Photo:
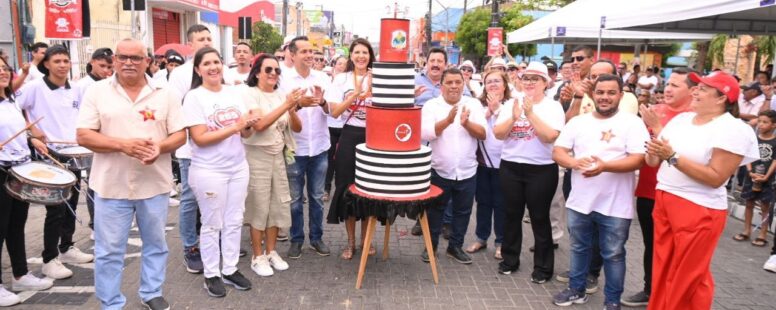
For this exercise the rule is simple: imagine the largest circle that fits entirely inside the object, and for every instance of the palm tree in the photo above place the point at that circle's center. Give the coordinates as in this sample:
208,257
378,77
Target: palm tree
716,49
766,48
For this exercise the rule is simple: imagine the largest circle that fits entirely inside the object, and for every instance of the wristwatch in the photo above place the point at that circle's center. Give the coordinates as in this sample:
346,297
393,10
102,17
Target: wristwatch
673,160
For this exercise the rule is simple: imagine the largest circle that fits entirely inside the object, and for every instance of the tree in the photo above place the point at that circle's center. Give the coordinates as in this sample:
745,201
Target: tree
716,51
265,38
545,4
472,32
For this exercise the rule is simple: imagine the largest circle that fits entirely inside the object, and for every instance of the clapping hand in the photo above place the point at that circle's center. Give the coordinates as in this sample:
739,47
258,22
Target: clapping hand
659,148
464,116
451,116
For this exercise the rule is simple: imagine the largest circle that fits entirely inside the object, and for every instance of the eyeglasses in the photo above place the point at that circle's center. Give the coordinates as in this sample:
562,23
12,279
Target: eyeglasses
578,58
133,58
281,57
531,80
319,59
467,69
268,70
6,69
512,69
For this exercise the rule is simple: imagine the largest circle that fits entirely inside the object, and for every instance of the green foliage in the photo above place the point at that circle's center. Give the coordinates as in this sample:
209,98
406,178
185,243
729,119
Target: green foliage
716,52
265,38
472,32
766,46
545,4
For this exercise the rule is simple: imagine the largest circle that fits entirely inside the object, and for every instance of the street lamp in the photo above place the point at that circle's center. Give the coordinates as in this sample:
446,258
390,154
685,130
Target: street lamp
447,26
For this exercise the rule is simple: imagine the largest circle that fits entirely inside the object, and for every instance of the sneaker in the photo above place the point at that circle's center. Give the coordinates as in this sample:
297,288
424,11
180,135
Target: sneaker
238,281
636,300
276,261
243,252
260,265
215,287
295,250
8,298
416,230
157,303
611,306
55,270
562,277
506,270
424,256
28,282
568,297
446,231
320,247
193,260
591,286
282,236
174,202
770,265
539,280
75,256
459,255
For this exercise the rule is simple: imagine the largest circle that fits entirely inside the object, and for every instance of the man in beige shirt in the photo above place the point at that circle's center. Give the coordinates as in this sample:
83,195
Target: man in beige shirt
132,127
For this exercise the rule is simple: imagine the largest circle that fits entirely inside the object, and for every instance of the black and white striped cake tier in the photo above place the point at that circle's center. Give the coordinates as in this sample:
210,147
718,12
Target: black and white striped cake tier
393,174
393,84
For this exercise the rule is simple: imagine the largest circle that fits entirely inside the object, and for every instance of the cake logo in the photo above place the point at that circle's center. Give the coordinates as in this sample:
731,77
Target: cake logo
403,132
399,39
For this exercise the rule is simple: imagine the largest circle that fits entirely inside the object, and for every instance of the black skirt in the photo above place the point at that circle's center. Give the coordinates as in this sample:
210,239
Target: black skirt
345,174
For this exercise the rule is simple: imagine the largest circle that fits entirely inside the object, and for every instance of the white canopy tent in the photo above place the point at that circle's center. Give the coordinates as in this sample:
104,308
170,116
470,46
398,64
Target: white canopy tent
755,17
580,23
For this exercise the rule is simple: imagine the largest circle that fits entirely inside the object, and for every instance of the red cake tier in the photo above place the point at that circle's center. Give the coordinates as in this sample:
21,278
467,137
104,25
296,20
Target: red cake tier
393,129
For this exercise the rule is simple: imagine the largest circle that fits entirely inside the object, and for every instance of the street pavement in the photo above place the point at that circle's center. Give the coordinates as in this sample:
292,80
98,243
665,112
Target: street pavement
401,282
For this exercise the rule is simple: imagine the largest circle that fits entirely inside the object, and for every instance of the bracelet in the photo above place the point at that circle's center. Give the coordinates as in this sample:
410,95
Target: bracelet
323,103
578,97
670,156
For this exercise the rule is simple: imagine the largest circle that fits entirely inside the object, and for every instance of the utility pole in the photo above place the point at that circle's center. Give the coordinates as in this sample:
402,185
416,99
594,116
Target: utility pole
298,18
428,29
464,6
284,26
494,16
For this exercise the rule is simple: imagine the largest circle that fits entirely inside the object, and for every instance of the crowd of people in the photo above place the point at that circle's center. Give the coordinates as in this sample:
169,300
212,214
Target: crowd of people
251,144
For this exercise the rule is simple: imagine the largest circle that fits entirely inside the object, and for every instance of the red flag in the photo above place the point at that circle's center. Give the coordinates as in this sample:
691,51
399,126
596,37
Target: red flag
495,35
65,19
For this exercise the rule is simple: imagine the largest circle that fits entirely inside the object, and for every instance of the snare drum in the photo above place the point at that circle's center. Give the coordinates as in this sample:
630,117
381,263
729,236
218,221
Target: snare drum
39,182
75,157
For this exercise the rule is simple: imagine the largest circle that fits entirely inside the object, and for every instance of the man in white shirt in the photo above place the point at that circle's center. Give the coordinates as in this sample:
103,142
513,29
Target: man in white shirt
52,100
750,102
607,148
198,37
312,144
243,56
452,123
649,81
38,51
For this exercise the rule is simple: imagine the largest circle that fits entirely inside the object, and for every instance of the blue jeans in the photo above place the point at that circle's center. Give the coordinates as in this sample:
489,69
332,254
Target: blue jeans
314,169
612,235
461,193
112,221
490,205
187,211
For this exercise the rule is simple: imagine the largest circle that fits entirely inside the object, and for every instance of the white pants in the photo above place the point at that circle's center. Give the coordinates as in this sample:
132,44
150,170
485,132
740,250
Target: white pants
221,198
558,211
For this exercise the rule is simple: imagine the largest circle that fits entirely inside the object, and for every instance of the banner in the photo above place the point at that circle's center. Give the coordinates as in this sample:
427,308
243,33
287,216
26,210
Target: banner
64,19
495,40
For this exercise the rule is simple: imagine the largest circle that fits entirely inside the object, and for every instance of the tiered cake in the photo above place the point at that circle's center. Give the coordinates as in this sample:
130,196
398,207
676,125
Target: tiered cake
392,162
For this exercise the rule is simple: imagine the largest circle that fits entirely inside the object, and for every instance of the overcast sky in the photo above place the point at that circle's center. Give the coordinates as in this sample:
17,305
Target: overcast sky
362,17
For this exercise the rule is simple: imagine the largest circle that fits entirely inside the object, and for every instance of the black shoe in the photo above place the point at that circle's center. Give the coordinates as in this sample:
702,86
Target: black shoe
504,269
157,303
320,248
215,287
238,281
446,231
639,299
539,280
416,230
459,255
243,253
554,247
424,256
295,250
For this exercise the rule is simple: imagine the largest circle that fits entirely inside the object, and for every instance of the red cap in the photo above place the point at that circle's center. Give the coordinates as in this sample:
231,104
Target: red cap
723,82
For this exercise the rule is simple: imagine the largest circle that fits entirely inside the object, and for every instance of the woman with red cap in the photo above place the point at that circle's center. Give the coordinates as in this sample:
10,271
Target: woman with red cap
697,152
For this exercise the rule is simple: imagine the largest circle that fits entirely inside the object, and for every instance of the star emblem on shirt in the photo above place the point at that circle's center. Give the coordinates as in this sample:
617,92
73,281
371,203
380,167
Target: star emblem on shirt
148,114
607,136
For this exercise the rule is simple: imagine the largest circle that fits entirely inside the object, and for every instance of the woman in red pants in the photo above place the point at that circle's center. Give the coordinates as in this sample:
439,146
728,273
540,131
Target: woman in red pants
697,152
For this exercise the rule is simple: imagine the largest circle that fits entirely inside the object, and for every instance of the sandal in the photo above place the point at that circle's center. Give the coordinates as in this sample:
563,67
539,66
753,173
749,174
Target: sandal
476,247
759,242
498,253
741,237
347,254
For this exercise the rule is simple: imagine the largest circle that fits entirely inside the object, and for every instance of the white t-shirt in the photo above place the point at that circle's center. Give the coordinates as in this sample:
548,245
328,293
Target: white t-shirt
614,138
11,121
694,142
58,106
33,74
521,144
454,152
343,87
649,80
232,77
216,110
490,149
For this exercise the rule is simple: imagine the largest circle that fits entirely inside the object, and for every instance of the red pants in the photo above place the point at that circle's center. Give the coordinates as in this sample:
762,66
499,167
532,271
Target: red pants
686,235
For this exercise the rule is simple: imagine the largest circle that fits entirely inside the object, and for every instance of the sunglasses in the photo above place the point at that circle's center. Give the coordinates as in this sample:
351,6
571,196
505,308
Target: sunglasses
578,58
512,69
268,70
281,57
319,59
467,69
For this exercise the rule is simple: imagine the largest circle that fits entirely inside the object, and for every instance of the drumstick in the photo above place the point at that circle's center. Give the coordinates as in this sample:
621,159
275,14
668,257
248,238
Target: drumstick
62,142
20,132
55,161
